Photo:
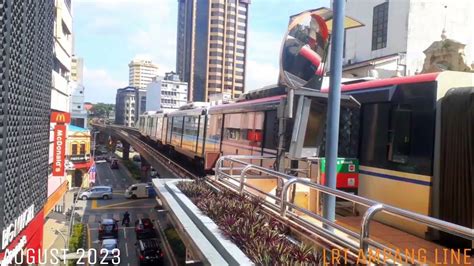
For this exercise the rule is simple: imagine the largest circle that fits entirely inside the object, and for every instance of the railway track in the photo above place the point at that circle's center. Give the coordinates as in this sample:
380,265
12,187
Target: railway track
153,156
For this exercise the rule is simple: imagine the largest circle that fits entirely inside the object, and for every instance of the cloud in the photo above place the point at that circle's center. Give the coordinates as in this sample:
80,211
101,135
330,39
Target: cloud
100,86
260,74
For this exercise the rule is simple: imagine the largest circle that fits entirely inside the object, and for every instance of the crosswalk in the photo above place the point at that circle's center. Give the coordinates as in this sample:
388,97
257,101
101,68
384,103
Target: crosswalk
92,218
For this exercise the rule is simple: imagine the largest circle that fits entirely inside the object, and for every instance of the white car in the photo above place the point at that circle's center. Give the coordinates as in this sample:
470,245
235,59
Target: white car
109,250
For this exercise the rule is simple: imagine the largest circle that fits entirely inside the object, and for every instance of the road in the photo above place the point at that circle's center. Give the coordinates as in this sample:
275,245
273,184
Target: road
114,208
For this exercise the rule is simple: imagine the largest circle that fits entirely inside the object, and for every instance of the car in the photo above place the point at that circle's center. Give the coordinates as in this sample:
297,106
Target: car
97,192
144,228
108,229
149,252
114,164
109,251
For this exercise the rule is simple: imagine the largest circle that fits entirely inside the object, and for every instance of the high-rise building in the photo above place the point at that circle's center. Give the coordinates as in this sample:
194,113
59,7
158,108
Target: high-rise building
77,69
60,95
130,102
166,93
25,84
141,72
211,46
395,34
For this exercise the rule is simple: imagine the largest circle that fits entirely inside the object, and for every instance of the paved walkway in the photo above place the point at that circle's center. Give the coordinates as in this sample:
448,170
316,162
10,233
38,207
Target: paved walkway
55,222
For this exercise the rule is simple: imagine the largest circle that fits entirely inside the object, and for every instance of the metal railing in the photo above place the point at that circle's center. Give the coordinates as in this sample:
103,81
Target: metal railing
282,203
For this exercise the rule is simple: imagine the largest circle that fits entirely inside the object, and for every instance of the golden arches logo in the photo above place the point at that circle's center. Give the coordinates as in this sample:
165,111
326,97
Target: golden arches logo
60,118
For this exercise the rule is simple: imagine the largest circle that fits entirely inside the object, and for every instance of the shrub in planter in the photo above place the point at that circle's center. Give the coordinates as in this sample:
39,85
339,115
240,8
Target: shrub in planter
240,217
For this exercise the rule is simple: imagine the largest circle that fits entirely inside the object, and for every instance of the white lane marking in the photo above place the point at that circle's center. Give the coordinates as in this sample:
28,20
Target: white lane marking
124,233
128,264
126,249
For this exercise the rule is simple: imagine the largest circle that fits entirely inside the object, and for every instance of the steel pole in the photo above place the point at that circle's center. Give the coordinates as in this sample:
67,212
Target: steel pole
334,104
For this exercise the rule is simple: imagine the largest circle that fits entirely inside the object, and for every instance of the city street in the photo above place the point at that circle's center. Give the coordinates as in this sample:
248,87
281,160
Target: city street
97,210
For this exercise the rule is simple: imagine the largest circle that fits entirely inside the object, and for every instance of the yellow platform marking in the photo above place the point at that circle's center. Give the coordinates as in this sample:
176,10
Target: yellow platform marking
96,207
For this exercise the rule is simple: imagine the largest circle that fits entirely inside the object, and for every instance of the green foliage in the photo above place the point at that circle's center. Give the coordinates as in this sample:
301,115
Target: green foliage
133,168
76,240
101,110
241,218
176,244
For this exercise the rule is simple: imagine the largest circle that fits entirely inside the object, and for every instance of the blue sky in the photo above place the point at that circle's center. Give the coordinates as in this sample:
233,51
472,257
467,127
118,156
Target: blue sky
109,33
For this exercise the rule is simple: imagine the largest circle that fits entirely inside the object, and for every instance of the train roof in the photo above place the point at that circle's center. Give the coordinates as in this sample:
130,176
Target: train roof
444,81
255,104
194,111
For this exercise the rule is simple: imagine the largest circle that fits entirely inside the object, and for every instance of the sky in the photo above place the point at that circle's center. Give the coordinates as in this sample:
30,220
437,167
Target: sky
110,33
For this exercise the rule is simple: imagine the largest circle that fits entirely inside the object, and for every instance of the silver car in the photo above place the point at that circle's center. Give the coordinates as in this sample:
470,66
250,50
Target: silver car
97,192
109,251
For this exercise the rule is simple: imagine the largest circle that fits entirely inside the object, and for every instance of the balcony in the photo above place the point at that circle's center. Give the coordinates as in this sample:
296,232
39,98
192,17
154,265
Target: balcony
79,158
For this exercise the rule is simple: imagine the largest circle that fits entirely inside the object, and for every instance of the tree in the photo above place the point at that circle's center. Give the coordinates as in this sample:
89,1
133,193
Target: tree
101,110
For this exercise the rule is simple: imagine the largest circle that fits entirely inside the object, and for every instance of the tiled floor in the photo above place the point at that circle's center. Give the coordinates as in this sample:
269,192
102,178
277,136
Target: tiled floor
396,239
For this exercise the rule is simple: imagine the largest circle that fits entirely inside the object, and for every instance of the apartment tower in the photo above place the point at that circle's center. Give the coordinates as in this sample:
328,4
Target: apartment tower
141,73
211,46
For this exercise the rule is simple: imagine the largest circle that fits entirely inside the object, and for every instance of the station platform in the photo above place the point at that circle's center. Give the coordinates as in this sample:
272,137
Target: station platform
424,250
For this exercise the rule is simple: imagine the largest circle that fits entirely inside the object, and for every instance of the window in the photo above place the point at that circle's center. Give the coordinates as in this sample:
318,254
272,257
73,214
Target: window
399,134
379,26
74,149
83,149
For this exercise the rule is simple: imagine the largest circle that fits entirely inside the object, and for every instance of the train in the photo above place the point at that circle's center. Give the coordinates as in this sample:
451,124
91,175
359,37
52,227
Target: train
395,127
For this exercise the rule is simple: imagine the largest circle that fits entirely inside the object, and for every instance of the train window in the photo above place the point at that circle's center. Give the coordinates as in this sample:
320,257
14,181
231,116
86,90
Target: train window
232,126
213,136
399,134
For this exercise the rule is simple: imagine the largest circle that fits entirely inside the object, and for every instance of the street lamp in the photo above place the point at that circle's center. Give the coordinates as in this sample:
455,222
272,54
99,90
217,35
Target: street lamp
93,145
62,236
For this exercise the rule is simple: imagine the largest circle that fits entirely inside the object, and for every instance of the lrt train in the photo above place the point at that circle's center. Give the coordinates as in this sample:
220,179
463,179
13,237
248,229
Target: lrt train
413,137
416,146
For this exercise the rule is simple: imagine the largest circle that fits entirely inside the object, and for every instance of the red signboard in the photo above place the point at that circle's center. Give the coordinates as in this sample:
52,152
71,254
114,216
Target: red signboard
28,242
59,149
60,117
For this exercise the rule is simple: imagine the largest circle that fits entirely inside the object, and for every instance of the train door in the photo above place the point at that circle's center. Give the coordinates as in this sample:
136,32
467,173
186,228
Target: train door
202,121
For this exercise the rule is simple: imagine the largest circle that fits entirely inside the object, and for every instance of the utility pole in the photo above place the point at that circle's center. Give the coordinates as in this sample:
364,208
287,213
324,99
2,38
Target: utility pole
334,105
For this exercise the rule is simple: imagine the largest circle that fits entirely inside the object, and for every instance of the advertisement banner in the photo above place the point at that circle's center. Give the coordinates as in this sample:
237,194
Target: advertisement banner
59,149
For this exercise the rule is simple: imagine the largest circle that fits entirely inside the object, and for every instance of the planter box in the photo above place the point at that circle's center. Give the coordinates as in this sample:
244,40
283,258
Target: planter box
205,234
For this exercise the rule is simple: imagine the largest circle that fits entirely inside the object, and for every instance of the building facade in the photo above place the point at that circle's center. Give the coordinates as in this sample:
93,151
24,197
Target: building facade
211,46
25,84
397,32
77,69
130,102
78,156
141,72
166,93
60,90
78,111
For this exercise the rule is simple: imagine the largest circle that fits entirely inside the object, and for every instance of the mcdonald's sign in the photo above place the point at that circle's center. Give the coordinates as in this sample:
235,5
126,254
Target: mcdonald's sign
60,117
59,149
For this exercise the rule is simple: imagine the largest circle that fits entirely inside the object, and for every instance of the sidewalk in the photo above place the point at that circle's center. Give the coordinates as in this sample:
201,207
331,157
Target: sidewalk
59,222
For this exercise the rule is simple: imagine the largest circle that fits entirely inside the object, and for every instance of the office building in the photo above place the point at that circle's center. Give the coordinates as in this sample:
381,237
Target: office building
211,46
77,110
130,102
396,33
166,93
141,72
77,70
25,84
